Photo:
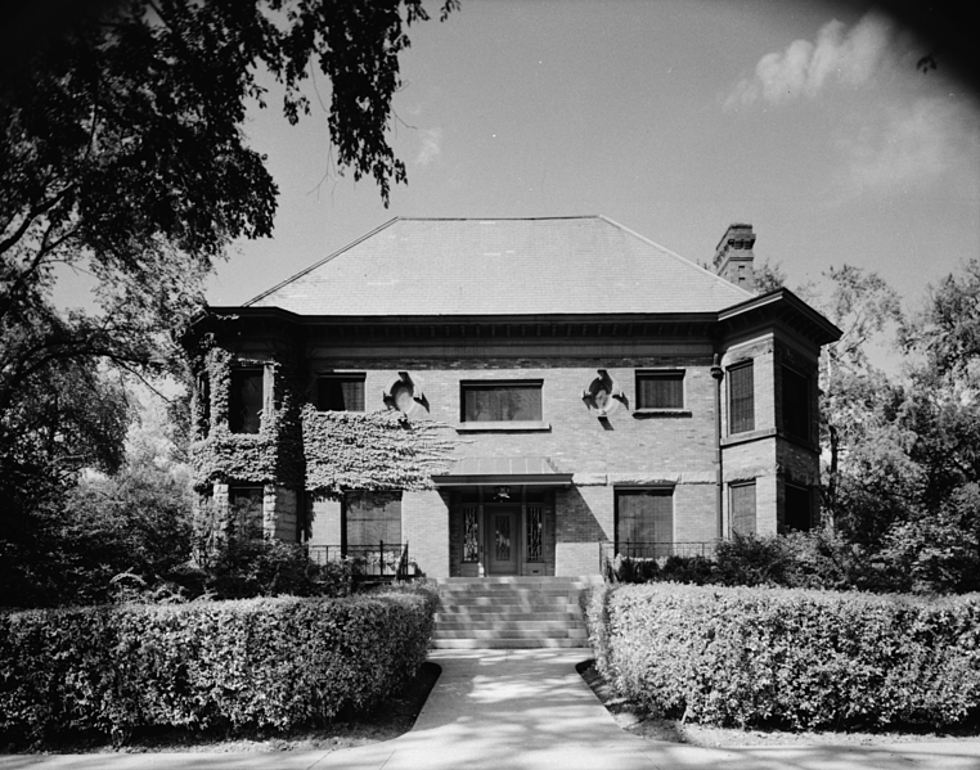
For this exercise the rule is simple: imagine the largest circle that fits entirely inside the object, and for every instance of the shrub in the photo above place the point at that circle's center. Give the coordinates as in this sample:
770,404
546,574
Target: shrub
802,659
276,663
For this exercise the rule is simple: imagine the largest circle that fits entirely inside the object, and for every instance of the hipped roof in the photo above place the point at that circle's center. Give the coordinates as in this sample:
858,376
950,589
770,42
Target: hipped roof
457,267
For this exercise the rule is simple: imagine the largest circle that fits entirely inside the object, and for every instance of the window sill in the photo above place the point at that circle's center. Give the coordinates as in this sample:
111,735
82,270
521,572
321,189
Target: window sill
643,413
747,436
496,427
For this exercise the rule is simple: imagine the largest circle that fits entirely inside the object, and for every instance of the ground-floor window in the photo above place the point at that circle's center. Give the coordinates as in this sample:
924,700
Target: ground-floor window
798,511
245,508
743,511
370,518
645,522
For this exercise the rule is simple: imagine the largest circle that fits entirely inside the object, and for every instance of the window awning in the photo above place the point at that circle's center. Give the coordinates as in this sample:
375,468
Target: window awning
513,471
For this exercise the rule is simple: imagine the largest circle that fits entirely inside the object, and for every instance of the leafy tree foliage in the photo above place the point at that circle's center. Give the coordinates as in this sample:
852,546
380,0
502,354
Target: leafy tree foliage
122,155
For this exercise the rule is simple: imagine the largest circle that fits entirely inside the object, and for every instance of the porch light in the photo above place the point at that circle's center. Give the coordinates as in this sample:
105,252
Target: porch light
502,493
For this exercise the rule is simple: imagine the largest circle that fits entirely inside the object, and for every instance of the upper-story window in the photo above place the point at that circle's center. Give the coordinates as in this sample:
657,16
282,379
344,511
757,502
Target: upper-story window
660,389
340,392
245,400
796,403
501,401
204,404
741,398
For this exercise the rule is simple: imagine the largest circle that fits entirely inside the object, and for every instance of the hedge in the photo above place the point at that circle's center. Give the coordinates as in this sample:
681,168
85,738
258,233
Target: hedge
275,663
789,657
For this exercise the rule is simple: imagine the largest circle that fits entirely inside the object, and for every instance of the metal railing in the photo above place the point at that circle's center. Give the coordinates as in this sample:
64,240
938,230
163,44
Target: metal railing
384,561
659,552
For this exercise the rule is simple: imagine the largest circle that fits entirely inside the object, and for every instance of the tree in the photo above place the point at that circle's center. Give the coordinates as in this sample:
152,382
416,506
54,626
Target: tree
122,155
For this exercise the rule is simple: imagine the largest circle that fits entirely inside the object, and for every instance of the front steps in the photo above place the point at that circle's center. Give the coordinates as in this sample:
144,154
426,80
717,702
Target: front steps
510,612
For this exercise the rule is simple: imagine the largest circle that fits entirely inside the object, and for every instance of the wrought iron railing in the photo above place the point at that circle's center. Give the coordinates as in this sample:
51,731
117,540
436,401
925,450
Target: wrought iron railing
383,561
637,551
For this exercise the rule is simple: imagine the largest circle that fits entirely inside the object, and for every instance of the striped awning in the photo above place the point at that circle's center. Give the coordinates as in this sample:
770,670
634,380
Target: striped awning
514,471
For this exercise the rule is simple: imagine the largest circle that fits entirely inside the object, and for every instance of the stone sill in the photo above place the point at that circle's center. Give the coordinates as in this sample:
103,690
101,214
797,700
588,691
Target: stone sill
642,413
756,435
497,427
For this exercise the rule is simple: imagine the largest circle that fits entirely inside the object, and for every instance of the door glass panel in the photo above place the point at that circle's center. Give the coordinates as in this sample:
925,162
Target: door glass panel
471,542
535,528
502,527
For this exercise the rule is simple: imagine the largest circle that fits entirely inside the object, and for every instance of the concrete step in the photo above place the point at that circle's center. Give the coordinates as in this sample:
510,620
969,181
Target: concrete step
463,614
505,644
511,633
509,625
510,612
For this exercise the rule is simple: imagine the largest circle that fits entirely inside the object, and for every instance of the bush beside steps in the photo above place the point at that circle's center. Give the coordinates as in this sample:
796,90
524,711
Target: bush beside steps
259,663
797,659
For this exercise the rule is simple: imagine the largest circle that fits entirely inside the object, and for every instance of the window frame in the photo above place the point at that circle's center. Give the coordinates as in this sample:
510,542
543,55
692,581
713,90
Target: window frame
241,421
735,514
670,375
243,492
803,399
804,492
341,378
386,500
741,418
662,547
535,423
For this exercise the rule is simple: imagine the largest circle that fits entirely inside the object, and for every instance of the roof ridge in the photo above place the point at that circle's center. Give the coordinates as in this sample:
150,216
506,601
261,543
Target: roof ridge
717,278
321,262
498,219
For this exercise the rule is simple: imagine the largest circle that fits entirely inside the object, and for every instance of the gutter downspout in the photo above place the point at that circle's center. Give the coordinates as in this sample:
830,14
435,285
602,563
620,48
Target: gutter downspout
718,374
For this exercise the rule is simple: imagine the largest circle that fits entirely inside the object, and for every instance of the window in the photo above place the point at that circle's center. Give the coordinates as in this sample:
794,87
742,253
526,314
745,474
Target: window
245,402
645,522
741,398
660,390
340,393
204,404
796,404
245,502
798,514
518,401
742,501
372,518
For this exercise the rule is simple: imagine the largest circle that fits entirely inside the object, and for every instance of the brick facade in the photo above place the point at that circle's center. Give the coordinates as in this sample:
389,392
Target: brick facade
688,450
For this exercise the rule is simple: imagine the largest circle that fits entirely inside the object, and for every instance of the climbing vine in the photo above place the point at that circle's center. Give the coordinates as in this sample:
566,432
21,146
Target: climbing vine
273,455
326,453
371,451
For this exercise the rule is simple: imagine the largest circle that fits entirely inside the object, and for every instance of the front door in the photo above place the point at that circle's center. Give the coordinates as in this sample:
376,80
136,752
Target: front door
502,542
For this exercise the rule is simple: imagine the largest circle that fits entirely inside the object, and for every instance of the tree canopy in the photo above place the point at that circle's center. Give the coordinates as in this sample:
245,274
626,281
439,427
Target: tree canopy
122,156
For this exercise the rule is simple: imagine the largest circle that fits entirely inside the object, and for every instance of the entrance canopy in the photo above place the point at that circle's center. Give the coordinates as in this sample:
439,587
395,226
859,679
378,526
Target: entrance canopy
514,471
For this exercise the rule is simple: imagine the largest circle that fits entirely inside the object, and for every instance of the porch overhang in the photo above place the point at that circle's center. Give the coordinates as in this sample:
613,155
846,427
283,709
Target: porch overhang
510,471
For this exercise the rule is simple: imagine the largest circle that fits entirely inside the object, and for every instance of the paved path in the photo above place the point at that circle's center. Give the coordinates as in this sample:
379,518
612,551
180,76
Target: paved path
528,710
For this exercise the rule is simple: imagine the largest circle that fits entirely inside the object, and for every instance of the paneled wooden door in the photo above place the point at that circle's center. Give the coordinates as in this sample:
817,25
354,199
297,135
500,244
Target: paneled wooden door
503,546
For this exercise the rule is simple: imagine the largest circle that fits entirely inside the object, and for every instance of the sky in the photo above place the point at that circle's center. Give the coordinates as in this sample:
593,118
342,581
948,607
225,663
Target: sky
808,120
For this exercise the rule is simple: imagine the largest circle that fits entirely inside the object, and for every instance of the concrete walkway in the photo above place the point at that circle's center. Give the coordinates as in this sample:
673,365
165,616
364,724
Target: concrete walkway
528,709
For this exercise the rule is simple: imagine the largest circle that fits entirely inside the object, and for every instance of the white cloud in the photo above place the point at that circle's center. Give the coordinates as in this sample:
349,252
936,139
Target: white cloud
911,148
431,146
804,68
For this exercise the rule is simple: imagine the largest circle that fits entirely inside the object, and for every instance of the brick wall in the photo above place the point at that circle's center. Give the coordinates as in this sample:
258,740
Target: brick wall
425,526
624,449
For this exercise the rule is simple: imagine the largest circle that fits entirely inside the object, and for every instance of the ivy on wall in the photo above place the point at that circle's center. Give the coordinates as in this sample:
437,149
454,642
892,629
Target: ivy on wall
273,455
326,453
371,451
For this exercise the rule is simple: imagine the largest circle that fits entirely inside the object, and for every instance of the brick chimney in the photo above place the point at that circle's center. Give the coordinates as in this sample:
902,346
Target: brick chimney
733,256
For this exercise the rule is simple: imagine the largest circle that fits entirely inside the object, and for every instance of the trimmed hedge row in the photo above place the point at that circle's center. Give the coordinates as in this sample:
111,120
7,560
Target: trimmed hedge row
276,663
789,657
